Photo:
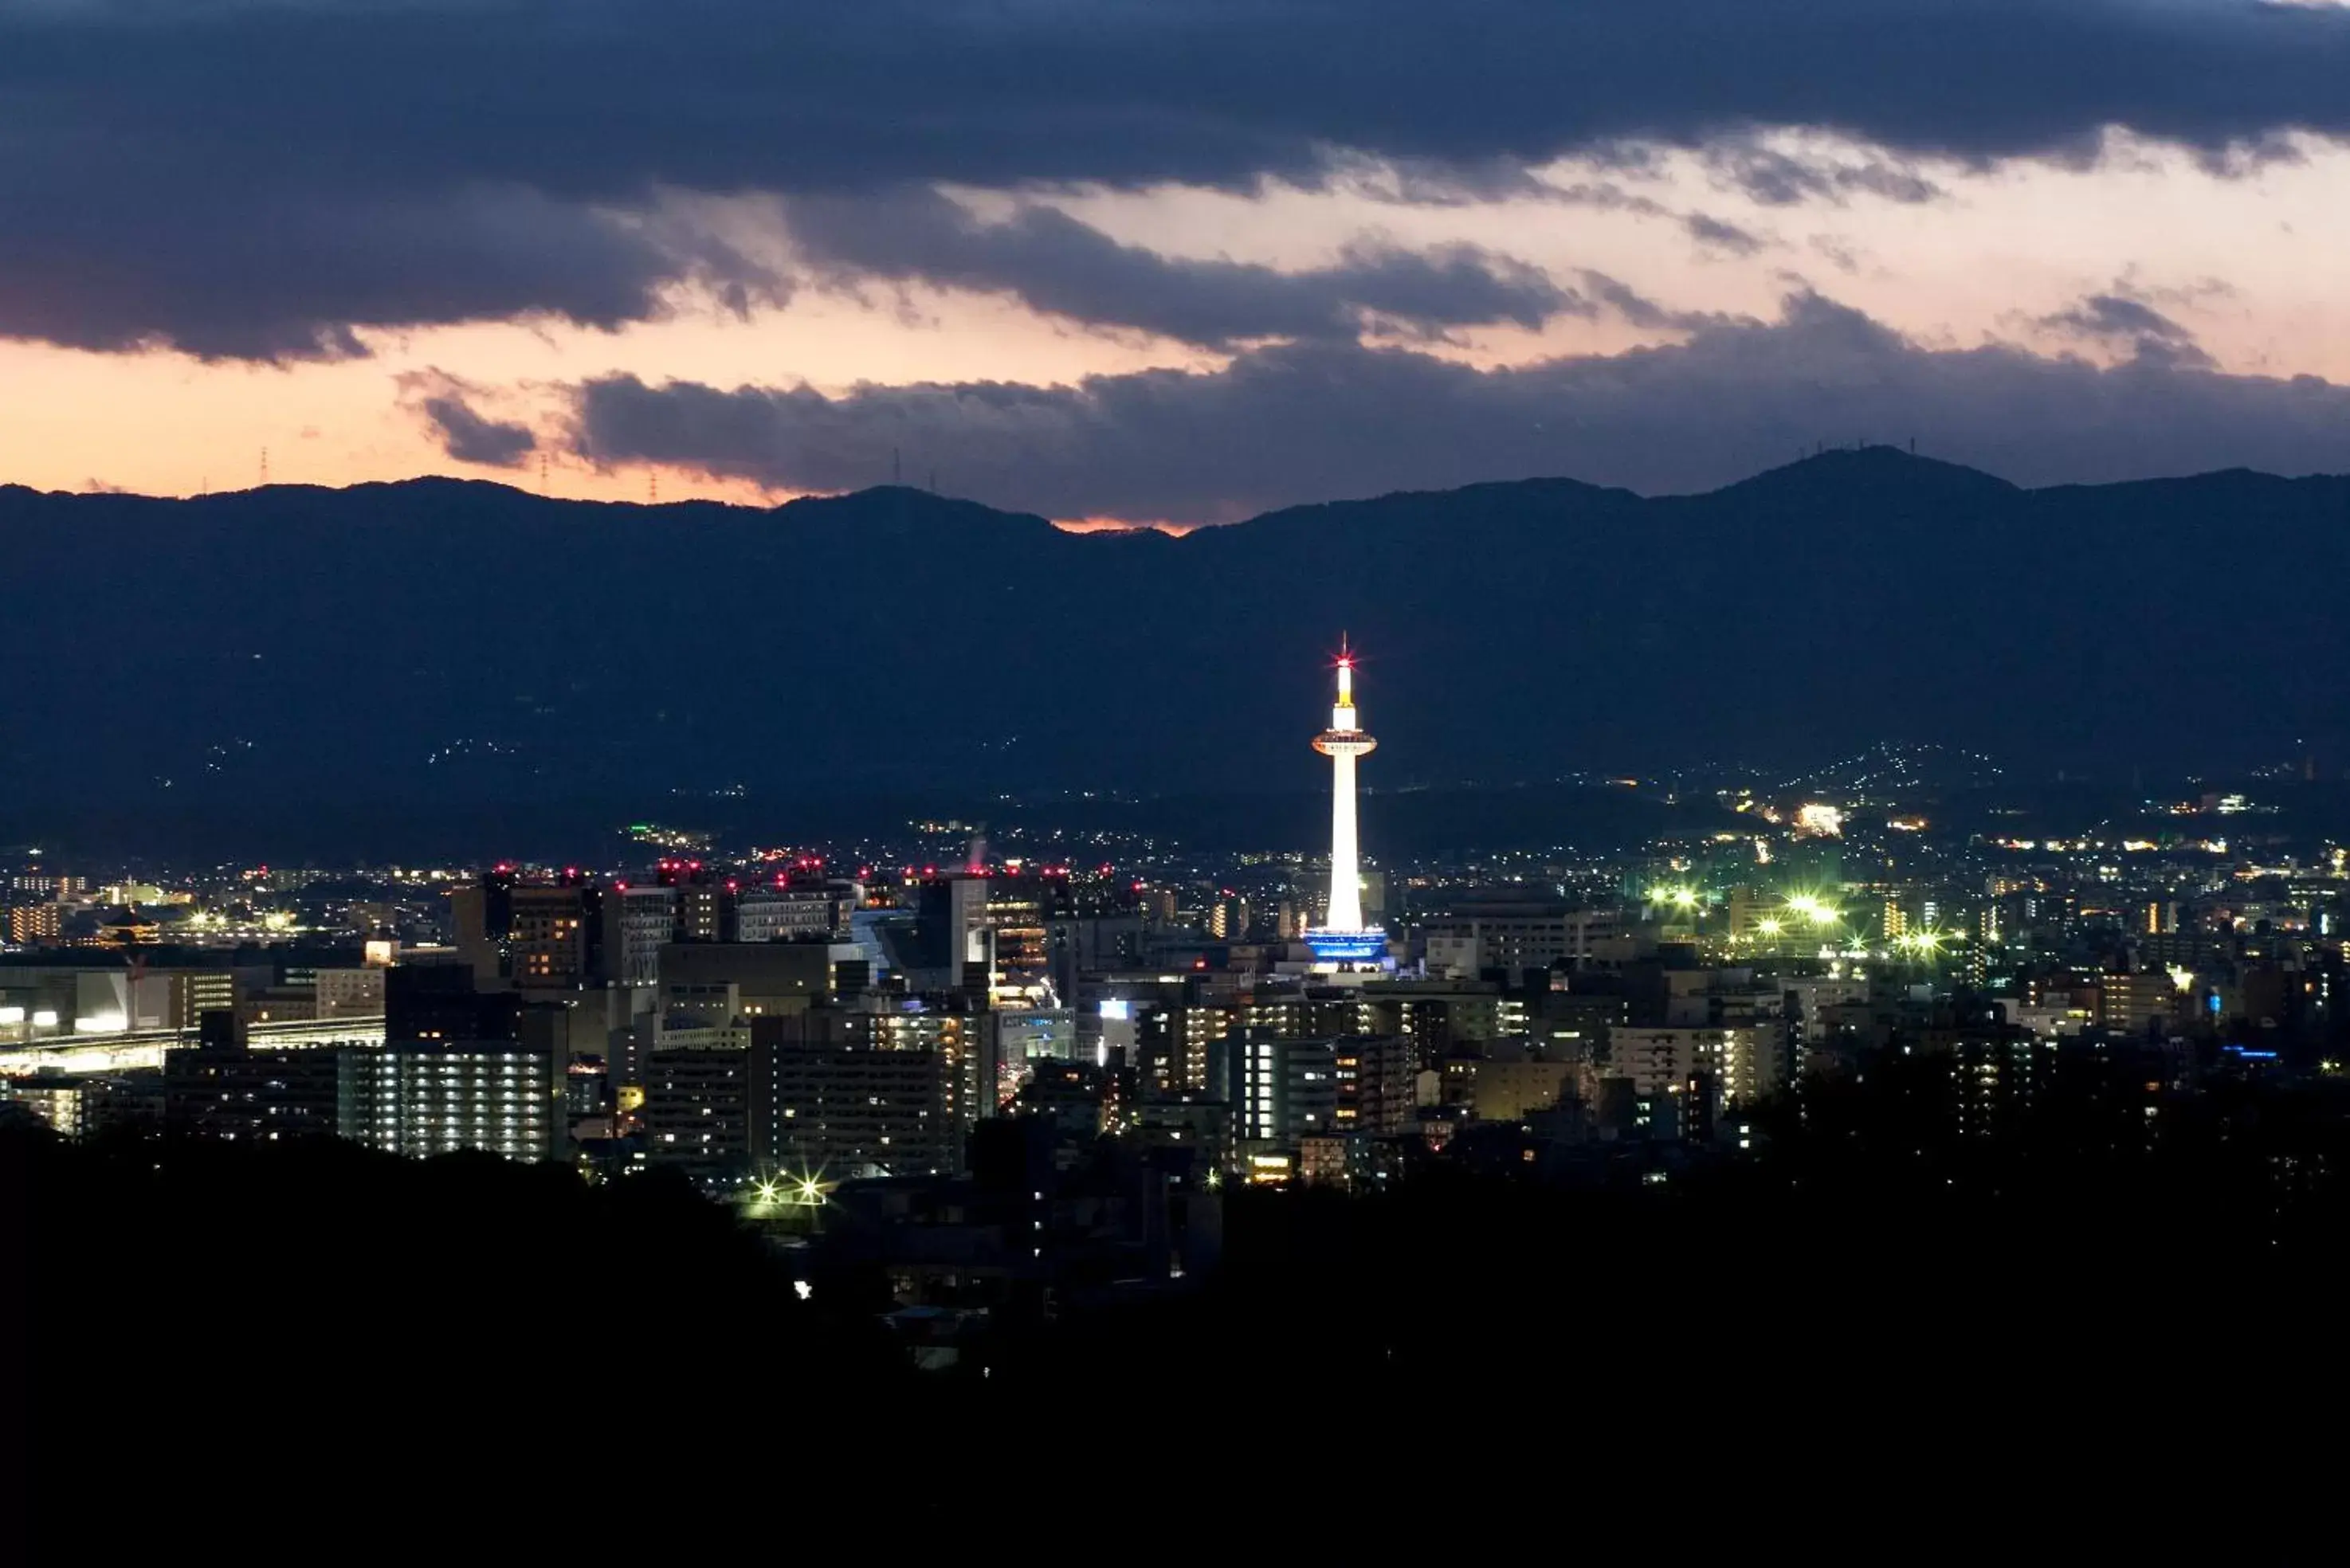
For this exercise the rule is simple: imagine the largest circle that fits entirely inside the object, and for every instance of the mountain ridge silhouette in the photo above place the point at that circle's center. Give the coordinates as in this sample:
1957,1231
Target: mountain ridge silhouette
431,643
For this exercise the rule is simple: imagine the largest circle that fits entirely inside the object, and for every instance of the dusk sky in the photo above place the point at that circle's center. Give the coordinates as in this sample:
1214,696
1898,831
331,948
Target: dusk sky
1165,260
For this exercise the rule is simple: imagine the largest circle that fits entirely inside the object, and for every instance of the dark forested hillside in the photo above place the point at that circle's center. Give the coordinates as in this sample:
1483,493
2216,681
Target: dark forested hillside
437,645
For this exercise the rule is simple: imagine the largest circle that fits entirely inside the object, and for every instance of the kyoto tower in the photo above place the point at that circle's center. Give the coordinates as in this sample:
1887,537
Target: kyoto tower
1344,935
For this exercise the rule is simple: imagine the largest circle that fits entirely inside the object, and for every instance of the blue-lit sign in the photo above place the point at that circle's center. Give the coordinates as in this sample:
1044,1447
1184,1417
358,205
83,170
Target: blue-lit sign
1348,947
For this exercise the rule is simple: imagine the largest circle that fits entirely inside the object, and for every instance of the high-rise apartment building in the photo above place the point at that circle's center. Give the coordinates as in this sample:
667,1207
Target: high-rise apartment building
1747,1064
841,1109
698,1110
32,923
1283,1090
962,1031
422,1097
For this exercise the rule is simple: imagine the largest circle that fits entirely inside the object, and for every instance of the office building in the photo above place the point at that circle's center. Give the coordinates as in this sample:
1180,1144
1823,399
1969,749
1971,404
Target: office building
236,1094
765,979
538,935
788,914
1516,935
349,993
639,920
429,1002
1507,1091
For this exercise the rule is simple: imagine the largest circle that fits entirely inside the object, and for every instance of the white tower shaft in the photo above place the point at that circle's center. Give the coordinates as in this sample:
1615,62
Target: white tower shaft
1345,868
1342,742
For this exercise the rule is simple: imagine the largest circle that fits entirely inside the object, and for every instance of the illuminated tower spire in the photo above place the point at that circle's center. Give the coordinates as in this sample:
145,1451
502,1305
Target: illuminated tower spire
1342,742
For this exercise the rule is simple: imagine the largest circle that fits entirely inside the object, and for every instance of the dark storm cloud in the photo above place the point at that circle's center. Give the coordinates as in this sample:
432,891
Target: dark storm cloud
2121,321
1837,251
238,274
606,96
1061,266
1605,196
445,405
257,179
1777,178
1314,420
1640,310
1713,233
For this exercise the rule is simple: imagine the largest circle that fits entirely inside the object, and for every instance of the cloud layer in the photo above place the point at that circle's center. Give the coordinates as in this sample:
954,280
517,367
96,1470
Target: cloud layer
296,279
1314,420
1060,267
268,178
445,404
